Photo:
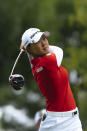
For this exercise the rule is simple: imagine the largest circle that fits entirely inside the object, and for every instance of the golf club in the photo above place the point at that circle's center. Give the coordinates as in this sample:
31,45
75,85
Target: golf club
16,80
21,51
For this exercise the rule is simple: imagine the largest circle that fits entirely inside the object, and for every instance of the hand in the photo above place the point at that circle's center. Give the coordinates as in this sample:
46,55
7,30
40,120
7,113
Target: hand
22,47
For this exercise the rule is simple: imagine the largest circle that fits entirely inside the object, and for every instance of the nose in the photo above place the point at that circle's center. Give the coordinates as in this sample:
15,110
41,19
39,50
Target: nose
43,43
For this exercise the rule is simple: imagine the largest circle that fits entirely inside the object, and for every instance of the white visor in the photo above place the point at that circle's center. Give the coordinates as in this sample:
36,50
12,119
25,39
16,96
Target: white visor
32,35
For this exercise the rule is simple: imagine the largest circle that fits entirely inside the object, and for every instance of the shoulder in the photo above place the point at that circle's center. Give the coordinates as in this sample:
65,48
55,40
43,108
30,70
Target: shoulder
49,60
49,56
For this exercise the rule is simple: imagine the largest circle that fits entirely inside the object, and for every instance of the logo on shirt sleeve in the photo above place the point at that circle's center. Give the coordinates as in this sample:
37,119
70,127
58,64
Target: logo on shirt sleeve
39,69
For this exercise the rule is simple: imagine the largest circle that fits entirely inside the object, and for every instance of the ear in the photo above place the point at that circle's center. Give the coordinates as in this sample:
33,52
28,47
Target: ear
28,49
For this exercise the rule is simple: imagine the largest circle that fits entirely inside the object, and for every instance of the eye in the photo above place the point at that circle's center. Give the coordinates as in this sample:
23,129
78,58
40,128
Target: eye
44,38
36,43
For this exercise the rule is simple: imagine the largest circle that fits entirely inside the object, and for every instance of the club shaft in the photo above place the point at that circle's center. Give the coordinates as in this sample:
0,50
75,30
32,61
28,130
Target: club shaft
16,61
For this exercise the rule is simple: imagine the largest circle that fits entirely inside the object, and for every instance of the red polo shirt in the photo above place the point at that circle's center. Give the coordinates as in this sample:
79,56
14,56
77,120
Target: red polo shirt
53,82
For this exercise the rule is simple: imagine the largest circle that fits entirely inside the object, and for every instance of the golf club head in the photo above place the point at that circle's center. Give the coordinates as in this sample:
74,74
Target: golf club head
16,81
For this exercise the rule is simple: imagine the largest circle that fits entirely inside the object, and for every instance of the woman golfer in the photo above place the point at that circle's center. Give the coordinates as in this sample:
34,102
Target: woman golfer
53,81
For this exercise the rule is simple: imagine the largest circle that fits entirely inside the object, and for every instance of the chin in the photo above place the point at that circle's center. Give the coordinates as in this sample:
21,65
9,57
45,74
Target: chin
45,53
42,53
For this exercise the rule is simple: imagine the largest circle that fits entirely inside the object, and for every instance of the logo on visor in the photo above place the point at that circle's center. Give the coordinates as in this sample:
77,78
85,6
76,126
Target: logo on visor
34,34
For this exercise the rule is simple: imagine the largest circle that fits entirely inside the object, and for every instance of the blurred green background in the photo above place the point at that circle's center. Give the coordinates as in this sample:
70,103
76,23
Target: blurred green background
66,20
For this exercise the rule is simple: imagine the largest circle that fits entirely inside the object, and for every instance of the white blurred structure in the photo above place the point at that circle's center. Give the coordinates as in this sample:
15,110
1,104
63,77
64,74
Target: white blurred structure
74,79
73,76
10,113
33,97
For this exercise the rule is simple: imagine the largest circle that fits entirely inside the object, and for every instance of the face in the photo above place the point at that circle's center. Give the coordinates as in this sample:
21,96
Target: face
40,48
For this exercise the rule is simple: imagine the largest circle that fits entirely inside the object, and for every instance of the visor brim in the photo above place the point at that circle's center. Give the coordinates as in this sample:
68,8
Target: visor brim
38,36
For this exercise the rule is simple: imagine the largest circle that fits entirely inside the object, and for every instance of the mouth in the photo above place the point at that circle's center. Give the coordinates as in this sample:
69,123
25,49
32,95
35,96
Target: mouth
45,48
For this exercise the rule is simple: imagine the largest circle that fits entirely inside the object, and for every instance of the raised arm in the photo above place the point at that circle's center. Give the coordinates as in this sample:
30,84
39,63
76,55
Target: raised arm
58,52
